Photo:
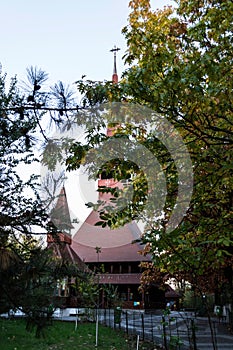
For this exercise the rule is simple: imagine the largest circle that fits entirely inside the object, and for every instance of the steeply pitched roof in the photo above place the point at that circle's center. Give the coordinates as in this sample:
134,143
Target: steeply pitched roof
116,245
171,293
60,243
60,215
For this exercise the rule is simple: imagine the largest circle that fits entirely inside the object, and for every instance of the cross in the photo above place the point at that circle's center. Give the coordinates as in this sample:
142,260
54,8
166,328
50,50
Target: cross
115,49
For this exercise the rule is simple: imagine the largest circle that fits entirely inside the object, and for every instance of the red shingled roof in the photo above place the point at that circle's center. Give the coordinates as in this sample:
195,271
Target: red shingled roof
127,252
116,245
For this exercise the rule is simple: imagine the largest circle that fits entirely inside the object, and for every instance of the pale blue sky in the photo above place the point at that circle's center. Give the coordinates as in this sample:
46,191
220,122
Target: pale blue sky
65,38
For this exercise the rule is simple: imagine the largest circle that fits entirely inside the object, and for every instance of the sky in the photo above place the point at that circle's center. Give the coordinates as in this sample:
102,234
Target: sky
67,39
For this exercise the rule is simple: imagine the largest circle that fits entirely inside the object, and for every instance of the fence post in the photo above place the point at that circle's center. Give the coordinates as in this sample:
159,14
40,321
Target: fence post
194,339
126,322
164,333
230,319
134,327
215,336
105,317
143,329
152,330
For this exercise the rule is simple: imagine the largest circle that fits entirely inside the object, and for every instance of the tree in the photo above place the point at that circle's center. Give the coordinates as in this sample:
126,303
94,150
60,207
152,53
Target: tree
28,283
180,66
28,272
21,207
183,66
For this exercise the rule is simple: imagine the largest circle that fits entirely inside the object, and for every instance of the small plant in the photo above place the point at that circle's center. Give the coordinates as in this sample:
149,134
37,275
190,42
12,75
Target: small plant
174,342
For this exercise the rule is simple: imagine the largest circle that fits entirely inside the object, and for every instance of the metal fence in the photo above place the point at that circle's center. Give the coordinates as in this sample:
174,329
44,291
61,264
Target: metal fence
175,330
179,332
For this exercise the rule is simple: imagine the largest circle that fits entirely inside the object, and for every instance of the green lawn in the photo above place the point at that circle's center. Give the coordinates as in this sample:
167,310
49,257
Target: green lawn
63,336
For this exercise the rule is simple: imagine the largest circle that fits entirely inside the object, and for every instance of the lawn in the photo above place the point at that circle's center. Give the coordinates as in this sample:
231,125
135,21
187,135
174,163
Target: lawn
63,336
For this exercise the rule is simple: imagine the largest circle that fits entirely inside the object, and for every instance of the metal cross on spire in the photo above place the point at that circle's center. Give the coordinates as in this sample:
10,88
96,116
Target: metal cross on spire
115,76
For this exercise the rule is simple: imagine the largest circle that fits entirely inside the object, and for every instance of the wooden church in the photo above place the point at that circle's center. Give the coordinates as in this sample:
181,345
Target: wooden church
110,251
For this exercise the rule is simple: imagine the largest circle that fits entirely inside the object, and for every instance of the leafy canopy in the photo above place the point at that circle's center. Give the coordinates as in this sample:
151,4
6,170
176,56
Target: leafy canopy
180,65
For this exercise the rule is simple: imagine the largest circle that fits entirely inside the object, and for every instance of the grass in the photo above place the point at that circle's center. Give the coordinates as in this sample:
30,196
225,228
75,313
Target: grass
63,336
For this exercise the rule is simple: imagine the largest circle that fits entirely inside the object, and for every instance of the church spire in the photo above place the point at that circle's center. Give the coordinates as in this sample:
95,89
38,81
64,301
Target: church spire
115,75
110,130
60,215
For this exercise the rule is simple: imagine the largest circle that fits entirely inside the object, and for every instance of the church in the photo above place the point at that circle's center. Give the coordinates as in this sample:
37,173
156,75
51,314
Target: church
113,254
